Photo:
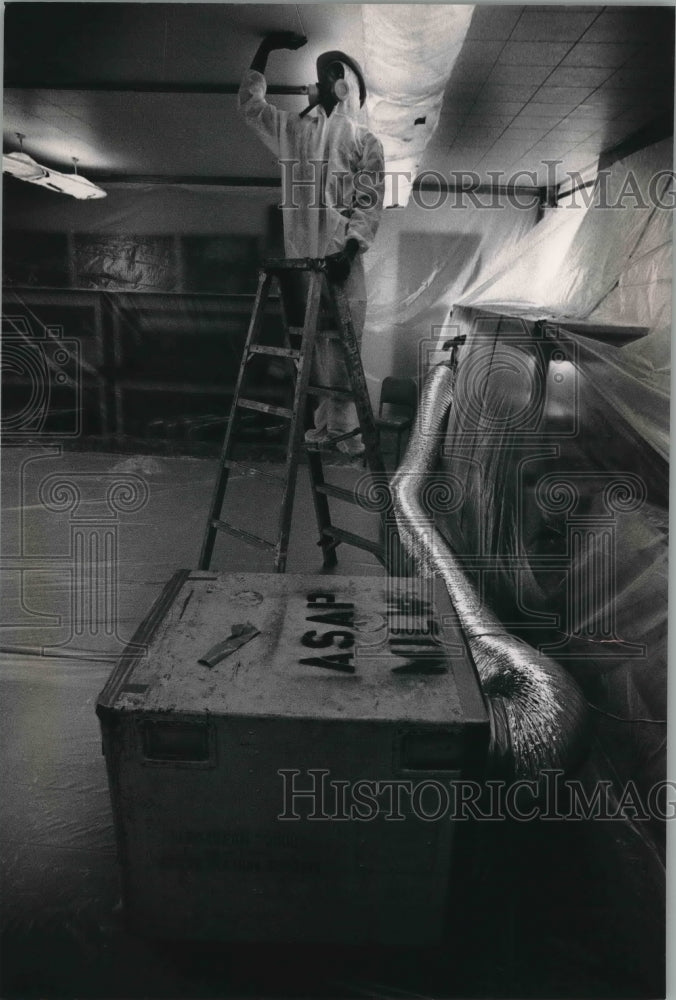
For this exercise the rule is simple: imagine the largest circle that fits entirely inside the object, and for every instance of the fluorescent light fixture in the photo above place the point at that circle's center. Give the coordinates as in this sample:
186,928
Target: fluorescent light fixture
22,165
25,168
72,184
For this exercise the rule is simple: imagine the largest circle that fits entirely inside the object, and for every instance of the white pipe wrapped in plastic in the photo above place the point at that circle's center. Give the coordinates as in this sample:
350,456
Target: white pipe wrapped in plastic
539,716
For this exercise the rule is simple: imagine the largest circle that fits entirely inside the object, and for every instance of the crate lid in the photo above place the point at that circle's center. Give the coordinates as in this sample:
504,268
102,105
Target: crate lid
328,647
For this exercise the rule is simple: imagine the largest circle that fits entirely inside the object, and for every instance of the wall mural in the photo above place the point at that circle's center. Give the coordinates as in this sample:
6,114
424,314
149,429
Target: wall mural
125,263
165,263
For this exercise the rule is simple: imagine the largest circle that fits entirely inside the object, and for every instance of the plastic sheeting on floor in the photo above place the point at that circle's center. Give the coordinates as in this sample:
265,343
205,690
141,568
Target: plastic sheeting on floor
62,934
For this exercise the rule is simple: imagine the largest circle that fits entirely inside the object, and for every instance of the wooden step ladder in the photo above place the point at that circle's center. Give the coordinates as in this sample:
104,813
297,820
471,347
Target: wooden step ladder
386,549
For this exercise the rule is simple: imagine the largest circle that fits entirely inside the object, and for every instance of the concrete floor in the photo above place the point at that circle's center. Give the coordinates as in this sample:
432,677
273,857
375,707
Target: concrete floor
531,914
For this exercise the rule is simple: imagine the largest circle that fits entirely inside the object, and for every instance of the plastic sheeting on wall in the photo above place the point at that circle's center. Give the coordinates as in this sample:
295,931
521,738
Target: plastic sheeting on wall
409,52
574,259
422,260
604,273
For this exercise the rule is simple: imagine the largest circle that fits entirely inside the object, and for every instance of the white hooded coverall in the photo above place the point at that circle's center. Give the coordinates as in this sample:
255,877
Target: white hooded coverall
321,156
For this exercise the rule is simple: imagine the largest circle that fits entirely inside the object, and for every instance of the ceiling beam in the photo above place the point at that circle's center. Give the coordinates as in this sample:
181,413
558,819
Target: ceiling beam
146,87
219,180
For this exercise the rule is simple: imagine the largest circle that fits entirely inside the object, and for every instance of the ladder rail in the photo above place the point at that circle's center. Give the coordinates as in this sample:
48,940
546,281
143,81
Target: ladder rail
218,495
284,271
297,428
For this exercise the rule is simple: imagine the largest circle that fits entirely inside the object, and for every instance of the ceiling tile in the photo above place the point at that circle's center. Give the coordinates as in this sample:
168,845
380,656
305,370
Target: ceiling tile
530,135
562,95
579,76
598,54
146,133
638,115
558,109
435,160
474,50
492,21
497,107
612,131
510,146
529,114
468,152
617,24
589,113
489,120
604,100
483,132
533,53
573,8
572,132
519,93
557,24
546,124
461,92
470,73
518,75
631,76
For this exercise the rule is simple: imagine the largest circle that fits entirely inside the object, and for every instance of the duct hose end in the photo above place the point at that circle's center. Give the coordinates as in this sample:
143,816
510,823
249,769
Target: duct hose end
538,715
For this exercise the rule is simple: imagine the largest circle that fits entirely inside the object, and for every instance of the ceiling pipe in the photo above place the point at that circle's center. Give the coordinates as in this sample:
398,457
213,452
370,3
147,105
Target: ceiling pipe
149,87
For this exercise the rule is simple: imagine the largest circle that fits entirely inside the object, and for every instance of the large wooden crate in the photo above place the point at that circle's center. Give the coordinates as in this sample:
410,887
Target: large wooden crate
349,681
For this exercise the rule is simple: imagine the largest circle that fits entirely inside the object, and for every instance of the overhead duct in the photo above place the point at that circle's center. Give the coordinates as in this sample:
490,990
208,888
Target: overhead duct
409,53
539,717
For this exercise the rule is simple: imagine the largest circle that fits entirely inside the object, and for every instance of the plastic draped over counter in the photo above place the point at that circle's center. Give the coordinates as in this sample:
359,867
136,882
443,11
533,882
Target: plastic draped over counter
604,273
556,456
409,52
557,514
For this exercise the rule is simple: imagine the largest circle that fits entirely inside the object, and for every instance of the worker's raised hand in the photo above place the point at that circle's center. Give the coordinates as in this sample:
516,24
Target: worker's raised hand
285,40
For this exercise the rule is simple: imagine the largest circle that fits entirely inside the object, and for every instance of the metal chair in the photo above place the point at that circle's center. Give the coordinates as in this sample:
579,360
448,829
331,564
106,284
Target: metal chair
401,393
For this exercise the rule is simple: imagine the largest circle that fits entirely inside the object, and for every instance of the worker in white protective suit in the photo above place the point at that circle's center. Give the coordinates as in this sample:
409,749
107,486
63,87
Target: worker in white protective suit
332,197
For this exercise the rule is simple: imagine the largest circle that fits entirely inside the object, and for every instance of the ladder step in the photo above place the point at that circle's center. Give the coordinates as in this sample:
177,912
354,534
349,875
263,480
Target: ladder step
341,535
275,264
340,493
329,443
274,352
228,463
246,536
323,390
277,411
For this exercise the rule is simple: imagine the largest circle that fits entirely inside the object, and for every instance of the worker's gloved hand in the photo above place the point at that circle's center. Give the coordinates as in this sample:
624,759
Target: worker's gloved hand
284,40
338,264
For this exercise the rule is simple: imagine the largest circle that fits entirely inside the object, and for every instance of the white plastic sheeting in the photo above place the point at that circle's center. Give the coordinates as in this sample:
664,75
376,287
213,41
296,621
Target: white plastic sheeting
409,52
421,262
607,267
575,258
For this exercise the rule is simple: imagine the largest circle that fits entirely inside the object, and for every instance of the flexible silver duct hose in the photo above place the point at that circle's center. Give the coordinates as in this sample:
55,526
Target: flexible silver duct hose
539,717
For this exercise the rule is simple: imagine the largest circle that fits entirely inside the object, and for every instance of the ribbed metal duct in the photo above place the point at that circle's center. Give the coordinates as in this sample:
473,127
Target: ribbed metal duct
539,717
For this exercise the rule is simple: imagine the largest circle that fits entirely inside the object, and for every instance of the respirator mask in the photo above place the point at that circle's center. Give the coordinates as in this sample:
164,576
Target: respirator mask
338,88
